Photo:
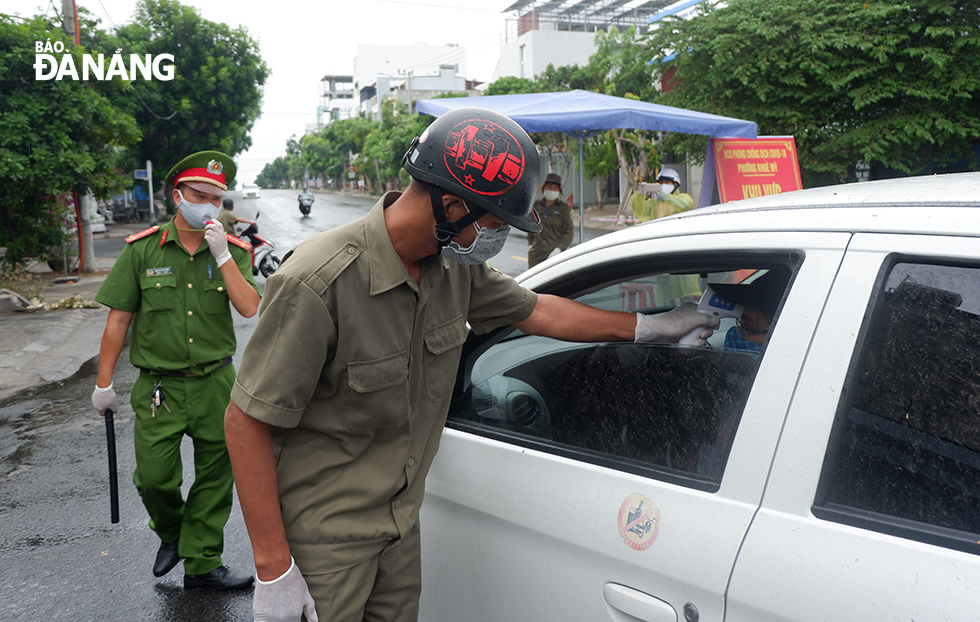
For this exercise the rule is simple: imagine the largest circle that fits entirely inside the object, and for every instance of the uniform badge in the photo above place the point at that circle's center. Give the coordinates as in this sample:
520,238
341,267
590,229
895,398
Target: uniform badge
158,271
215,167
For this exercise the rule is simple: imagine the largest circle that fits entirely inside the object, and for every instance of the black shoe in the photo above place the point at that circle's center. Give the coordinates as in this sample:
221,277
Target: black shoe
221,578
167,558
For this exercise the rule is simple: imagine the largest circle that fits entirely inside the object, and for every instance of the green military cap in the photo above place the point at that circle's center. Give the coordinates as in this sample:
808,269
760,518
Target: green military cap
205,171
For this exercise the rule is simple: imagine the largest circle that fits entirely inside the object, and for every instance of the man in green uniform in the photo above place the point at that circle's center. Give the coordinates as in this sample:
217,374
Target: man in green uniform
173,285
345,384
556,222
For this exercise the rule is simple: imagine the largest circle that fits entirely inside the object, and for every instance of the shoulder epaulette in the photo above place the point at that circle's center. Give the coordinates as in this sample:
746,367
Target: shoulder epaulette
142,234
238,241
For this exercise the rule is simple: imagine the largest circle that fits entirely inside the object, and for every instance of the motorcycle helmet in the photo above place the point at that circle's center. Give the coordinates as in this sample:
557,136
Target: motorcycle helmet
228,203
483,157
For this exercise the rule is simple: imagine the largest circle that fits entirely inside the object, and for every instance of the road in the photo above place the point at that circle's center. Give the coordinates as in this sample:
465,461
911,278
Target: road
60,557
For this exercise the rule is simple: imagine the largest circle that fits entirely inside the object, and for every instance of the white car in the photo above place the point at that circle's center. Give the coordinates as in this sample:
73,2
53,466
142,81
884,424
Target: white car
834,475
251,191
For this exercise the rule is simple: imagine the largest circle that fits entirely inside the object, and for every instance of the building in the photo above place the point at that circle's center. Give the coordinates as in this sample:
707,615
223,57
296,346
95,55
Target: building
561,32
338,99
408,89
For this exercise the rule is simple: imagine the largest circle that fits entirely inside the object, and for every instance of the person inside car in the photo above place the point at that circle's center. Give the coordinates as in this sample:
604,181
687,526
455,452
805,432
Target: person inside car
760,299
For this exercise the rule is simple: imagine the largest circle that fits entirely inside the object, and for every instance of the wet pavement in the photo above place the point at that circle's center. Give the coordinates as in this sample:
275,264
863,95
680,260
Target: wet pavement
60,556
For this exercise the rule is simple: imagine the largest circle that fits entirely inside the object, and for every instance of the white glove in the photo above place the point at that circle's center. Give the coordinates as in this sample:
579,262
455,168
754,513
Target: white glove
103,399
671,326
214,233
283,599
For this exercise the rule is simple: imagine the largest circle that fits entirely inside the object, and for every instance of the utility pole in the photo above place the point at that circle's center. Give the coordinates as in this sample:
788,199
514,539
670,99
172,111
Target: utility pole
86,257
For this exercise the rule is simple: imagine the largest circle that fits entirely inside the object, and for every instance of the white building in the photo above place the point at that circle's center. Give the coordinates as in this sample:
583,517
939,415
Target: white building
561,32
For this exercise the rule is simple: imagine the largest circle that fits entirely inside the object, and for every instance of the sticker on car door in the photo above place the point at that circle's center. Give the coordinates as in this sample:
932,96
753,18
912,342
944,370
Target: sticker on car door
639,522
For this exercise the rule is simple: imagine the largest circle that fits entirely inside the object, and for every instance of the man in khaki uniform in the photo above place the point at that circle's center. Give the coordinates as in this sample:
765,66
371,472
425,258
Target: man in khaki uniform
345,384
556,222
173,284
228,218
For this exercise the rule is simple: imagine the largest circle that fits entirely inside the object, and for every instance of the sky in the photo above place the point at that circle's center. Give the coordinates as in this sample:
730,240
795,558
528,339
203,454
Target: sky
303,40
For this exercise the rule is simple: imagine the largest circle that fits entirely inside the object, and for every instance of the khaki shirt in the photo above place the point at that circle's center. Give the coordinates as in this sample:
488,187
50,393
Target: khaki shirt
353,363
227,218
182,317
556,226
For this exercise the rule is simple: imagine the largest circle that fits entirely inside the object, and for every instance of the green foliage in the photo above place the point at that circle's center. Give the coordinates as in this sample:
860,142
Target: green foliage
215,96
55,135
892,82
509,85
273,174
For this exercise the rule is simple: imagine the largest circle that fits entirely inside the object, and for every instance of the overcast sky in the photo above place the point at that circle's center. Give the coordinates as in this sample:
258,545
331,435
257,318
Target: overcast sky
303,40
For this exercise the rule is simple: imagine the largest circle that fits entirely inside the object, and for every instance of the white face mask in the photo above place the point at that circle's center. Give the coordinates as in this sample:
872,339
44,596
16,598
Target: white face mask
487,243
551,195
196,214
667,188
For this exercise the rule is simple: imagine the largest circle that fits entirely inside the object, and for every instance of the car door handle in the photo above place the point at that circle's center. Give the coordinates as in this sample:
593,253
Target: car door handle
626,605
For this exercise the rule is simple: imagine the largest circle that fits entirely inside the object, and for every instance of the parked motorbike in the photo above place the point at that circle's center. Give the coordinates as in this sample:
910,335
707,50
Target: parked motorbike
305,202
264,259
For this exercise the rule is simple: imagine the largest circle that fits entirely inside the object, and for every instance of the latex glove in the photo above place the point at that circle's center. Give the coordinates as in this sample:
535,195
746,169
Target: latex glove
214,234
103,399
662,196
283,599
671,326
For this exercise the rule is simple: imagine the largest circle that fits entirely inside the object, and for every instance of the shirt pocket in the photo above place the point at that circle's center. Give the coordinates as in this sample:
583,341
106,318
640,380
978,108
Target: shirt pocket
377,393
159,293
443,343
215,297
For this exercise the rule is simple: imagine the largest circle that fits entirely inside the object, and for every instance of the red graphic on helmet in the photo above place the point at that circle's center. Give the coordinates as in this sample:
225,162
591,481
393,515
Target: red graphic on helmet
484,157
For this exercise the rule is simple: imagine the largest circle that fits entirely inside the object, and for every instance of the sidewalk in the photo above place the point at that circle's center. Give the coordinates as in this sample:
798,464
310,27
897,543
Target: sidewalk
49,346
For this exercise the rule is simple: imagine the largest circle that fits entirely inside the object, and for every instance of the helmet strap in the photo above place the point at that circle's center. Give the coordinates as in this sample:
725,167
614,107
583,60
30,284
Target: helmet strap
445,230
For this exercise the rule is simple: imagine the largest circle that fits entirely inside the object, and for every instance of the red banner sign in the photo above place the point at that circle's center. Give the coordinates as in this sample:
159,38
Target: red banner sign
755,167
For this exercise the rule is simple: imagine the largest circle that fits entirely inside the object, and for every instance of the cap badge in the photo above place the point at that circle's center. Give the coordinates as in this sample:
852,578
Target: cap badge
215,167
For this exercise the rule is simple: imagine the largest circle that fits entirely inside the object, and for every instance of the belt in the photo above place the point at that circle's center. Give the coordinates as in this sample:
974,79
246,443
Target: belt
181,374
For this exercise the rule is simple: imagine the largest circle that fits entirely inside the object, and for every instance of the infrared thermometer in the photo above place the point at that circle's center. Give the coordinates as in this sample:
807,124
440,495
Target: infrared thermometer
712,304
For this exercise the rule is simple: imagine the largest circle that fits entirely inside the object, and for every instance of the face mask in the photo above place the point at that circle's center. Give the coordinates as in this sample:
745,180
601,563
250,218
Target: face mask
734,341
196,214
551,195
488,242
667,188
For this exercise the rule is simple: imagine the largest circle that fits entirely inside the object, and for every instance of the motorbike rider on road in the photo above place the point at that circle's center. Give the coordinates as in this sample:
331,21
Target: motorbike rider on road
306,199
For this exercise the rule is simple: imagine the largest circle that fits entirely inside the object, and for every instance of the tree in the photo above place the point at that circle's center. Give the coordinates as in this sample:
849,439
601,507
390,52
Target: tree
273,173
215,96
887,82
509,85
55,135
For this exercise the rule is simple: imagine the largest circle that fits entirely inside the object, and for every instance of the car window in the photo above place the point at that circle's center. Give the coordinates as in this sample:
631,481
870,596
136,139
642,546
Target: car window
904,456
662,410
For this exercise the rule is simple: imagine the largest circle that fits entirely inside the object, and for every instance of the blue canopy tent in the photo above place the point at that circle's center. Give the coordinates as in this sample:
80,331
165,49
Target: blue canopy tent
581,114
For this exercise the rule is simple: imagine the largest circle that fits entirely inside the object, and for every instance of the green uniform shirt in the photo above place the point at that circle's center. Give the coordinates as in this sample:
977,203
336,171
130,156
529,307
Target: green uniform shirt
227,218
182,318
556,226
354,364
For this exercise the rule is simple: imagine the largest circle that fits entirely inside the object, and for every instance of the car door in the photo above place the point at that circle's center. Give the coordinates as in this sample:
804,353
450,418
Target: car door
567,489
872,510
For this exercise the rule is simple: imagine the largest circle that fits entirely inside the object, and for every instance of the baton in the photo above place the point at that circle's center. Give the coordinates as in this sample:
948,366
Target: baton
110,437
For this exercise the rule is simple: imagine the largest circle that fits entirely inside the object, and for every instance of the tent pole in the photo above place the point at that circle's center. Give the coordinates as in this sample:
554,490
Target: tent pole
581,193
